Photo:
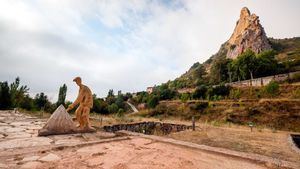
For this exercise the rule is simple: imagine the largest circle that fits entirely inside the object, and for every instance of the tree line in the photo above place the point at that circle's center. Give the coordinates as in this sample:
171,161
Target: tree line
15,95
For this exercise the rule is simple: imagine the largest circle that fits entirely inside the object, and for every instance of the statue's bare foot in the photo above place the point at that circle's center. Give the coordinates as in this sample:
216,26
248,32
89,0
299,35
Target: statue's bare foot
90,129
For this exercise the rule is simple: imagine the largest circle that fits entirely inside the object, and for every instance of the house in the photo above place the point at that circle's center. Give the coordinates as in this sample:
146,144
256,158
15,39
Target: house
149,90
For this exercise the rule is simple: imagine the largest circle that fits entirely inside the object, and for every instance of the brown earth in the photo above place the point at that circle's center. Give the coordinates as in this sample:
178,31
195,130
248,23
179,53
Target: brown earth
259,141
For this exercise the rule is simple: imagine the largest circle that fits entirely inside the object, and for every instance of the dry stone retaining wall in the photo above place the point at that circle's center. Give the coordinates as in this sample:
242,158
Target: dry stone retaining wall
264,80
150,128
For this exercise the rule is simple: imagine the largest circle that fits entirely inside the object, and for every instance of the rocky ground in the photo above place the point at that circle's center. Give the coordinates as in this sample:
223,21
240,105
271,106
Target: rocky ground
21,148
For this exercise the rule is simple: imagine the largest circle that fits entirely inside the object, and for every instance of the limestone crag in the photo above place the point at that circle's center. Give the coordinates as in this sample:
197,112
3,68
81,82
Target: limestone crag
248,34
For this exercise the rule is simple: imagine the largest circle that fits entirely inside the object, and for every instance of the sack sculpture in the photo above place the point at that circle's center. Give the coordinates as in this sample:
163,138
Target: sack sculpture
60,122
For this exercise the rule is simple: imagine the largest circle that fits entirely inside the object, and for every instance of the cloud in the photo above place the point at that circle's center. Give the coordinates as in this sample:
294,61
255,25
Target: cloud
120,45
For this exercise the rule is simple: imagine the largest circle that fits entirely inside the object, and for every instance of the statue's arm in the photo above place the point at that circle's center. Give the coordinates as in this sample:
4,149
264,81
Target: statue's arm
77,101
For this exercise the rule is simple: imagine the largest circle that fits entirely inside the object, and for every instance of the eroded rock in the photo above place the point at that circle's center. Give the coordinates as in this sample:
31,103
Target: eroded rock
30,158
50,157
31,165
25,142
248,34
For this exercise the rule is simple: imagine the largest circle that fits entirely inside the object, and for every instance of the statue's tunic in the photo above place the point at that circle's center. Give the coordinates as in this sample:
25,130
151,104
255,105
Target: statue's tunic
85,97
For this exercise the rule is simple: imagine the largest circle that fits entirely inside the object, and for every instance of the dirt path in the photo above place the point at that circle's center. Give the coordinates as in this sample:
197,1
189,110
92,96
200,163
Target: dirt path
140,153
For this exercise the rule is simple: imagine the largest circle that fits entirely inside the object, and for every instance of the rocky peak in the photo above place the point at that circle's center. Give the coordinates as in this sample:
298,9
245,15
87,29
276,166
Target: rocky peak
248,34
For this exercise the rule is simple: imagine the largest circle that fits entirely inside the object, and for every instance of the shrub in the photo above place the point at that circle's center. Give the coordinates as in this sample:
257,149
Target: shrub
295,78
159,110
235,94
113,108
272,88
218,91
296,94
199,106
184,97
200,92
153,101
120,112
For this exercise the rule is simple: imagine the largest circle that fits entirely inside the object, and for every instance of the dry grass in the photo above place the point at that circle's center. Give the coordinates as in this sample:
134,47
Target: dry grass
260,141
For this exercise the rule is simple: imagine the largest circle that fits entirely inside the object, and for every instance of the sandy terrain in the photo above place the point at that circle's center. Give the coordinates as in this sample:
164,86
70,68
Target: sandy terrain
135,153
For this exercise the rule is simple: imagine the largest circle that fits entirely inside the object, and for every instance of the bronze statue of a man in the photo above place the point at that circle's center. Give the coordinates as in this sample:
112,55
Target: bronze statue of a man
85,101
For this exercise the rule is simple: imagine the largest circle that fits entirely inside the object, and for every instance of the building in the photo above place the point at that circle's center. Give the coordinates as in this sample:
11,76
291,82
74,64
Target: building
149,90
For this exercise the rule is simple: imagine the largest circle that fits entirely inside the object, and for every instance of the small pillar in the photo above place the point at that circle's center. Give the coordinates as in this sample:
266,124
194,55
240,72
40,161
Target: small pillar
193,123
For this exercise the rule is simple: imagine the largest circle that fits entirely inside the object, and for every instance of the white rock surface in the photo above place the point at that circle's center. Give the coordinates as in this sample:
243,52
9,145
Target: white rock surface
30,158
3,165
18,135
14,129
25,142
50,157
31,165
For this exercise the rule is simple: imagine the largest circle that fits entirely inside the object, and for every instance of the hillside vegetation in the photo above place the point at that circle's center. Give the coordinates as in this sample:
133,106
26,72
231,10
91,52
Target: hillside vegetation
285,51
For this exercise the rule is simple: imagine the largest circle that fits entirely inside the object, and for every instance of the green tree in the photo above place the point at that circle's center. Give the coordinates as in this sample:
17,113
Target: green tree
245,65
27,103
62,95
153,101
200,92
40,101
113,108
120,100
219,71
110,99
99,105
164,92
17,92
5,97
266,64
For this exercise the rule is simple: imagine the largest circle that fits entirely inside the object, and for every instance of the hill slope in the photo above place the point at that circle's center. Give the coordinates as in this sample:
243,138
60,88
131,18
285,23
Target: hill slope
248,34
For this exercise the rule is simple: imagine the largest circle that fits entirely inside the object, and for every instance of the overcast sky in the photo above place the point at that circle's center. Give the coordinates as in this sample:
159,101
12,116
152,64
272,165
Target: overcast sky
122,44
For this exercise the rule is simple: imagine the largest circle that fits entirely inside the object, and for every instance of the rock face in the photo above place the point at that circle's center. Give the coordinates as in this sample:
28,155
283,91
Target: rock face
60,122
248,34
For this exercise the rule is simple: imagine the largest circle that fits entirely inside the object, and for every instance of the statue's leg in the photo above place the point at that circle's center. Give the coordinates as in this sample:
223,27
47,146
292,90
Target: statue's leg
79,112
86,117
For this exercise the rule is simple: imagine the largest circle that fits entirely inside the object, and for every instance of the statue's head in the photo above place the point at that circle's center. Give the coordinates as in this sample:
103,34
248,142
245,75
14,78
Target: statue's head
77,80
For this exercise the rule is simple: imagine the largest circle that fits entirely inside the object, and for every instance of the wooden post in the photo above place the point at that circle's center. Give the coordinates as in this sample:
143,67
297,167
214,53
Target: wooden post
251,126
193,123
42,112
100,120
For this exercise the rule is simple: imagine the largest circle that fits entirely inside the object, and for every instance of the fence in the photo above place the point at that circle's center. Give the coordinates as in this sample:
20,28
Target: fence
264,80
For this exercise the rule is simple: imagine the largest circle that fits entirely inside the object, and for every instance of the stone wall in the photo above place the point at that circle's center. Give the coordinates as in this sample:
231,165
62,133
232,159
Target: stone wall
263,80
150,128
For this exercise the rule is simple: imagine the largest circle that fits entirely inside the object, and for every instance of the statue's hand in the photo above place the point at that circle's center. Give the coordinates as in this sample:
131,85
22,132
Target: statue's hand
70,107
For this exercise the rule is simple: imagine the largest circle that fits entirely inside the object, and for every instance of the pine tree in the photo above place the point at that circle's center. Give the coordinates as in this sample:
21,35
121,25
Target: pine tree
62,95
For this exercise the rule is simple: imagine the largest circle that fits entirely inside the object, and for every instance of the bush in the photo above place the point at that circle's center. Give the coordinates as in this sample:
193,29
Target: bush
200,92
235,94
100,106
218,91
199,106
296,94
184,97
113,108
272,88
159,110
120,112
153,101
